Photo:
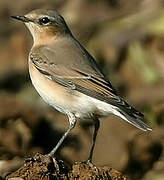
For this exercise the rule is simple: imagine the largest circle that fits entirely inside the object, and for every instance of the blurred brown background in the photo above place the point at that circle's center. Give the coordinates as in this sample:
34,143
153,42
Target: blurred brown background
127,39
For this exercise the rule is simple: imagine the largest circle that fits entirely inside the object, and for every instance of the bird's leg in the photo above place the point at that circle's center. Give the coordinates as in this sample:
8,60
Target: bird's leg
96,128
72,122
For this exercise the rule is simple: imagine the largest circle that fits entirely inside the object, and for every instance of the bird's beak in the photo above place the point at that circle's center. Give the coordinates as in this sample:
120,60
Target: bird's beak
22,18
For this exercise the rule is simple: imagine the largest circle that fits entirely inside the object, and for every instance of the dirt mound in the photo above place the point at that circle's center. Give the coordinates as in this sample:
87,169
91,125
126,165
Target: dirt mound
44,167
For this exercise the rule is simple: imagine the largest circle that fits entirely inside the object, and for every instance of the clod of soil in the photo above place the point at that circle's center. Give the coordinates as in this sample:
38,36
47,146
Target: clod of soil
44,167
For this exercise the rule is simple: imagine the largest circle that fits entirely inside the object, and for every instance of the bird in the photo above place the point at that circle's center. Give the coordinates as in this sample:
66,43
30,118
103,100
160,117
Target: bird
68,78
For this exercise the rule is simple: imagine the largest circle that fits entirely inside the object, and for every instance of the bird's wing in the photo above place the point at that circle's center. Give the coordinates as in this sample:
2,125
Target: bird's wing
90,84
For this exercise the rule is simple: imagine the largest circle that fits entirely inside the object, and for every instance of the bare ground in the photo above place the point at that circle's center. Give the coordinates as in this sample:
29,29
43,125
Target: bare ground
44,167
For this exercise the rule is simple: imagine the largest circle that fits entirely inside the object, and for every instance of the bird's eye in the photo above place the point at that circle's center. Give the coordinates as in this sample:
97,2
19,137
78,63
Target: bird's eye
44,20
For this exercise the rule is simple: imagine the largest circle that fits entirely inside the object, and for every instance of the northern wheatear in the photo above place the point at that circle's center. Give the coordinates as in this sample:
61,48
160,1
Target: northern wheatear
67,77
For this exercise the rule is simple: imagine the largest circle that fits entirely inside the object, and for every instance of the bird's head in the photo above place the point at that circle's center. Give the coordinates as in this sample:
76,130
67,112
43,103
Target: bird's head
44,24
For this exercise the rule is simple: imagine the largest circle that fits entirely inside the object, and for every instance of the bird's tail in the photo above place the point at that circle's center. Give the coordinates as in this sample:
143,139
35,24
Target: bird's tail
135,121
129,113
